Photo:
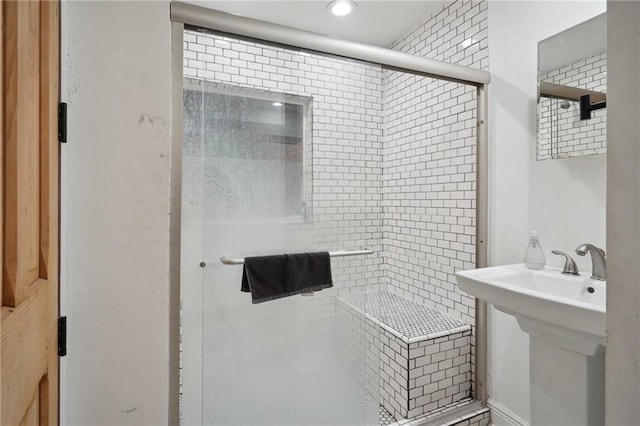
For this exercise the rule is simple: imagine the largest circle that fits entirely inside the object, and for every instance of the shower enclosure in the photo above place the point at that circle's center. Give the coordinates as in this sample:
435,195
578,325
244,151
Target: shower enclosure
289,150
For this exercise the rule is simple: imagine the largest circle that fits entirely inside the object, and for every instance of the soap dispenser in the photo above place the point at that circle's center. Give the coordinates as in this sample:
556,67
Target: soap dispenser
534,255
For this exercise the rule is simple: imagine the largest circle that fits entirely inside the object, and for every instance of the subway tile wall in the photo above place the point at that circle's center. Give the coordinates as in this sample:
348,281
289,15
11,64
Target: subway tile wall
429,163
394,375
360,347
343,164
417,378
559,121
439,372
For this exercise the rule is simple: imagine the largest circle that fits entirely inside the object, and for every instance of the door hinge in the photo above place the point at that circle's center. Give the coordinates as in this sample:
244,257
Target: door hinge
62,122
62,336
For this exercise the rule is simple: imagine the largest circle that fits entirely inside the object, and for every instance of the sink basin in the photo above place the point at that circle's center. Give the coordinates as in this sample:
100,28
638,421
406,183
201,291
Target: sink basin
565,310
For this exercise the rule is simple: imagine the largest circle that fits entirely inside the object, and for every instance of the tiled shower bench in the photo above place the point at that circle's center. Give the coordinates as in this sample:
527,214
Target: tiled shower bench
423,355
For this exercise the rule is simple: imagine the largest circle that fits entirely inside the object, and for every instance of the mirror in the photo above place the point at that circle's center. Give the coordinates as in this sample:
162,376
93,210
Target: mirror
572,85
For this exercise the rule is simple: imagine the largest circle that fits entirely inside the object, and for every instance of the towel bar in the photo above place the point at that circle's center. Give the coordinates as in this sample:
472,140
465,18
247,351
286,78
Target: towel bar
340,253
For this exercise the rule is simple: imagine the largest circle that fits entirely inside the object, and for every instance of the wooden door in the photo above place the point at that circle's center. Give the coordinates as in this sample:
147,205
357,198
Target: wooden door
29,211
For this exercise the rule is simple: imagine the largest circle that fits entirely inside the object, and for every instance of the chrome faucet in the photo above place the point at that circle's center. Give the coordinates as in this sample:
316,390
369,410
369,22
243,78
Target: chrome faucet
598,260
570,267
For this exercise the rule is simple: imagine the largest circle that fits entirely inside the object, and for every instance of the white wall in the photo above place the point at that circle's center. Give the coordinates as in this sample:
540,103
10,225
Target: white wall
564,199
115,212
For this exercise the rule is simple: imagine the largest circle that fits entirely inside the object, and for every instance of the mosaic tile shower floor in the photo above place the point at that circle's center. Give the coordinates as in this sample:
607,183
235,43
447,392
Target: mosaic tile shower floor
385,417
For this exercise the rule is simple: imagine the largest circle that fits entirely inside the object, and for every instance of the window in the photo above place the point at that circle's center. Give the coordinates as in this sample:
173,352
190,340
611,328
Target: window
252,145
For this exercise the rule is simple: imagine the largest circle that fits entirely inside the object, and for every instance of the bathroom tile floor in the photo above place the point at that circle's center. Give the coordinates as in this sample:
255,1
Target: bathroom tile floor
385,417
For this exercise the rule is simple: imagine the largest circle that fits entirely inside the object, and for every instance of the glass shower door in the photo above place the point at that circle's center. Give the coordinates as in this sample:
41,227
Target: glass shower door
284,361
273,364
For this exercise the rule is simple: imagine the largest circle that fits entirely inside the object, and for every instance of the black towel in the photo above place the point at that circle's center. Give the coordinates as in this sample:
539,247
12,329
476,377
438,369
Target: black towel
273,277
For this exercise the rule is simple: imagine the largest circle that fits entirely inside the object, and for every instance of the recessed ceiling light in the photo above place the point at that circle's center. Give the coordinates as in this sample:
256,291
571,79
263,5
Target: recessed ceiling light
278,104
341,7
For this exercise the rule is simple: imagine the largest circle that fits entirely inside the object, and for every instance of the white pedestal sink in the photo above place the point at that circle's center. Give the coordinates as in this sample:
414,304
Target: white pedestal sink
564,316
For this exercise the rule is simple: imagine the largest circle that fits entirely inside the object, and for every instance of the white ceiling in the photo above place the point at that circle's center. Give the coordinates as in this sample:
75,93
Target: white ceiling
373,22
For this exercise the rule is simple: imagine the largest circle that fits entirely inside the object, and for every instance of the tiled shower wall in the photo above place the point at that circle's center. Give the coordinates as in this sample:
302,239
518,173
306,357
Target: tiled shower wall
429,163
346,153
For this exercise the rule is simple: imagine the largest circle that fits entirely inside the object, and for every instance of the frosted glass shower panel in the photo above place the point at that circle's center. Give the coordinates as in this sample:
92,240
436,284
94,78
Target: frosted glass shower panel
253,145
287,154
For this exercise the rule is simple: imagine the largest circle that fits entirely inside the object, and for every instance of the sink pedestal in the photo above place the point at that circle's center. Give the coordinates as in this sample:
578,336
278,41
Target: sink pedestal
567,379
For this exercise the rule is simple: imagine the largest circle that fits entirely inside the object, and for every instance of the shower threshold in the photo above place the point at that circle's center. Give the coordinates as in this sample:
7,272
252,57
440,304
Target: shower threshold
467,412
